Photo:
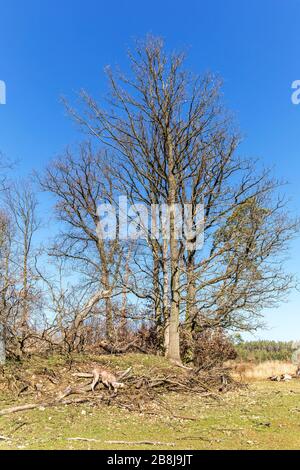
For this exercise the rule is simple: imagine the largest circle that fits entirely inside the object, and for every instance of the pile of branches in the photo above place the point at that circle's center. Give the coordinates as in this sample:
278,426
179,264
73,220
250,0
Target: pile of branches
67,386
207,382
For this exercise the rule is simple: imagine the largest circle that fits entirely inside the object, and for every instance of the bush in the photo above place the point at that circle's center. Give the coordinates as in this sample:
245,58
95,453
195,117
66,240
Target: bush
207,349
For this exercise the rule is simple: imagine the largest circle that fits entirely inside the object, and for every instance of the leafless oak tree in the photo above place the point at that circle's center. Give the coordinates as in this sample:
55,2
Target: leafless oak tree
175,144
80,183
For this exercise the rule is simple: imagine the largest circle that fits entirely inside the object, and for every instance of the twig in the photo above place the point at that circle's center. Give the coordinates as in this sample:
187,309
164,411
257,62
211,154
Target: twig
85,439
194,438
150,443
18,427
125,373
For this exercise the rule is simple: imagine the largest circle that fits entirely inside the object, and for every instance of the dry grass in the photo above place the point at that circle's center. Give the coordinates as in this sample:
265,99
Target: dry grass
246,371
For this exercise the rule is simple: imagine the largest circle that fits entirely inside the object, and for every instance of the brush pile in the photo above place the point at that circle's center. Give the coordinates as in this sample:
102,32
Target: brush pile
50,386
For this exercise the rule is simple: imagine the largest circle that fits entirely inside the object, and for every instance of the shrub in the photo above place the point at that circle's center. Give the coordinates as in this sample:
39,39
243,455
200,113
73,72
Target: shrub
207,349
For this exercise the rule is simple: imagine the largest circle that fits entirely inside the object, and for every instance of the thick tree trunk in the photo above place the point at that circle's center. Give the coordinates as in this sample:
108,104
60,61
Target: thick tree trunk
173,352
109,327
124,306
105,280
25,312
166,306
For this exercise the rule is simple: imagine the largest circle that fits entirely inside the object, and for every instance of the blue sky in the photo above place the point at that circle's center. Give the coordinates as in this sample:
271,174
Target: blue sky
50,48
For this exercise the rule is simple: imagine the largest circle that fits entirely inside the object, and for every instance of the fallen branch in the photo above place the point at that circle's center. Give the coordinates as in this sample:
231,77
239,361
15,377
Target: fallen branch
150,443
16,409
74,390
32,406
194,438
124,374
84,439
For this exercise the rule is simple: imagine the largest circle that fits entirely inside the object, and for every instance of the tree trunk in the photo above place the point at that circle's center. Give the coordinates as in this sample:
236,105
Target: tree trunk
166,306
109,319
174,349
156,292
124,302
109,327
191,293
25,313
2,345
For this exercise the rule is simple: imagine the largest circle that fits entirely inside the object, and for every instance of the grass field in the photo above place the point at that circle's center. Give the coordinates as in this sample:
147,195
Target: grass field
263,415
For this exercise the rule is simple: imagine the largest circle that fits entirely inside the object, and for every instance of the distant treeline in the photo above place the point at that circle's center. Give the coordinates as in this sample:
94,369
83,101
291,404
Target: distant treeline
259,351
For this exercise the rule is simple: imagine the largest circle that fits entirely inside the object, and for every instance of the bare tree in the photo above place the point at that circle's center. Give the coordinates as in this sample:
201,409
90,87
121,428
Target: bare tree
175,144
5,247
22,206
80,183
4,281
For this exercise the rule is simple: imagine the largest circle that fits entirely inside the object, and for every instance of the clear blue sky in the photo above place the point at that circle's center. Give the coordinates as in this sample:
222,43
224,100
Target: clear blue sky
51,47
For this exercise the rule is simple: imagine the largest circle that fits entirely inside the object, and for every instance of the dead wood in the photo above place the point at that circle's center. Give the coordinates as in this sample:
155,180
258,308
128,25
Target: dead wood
84,439
124,374
32,406
139,389
150,443
74,390
154,443
85,375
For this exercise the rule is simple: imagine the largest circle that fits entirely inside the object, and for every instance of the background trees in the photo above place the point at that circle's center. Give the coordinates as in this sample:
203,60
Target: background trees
19,292
4,280
21,204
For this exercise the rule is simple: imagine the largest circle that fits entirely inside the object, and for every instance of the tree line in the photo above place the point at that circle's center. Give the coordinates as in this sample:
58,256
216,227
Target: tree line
266,350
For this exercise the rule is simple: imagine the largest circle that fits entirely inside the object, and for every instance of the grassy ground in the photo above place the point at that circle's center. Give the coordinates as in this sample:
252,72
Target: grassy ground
264,415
